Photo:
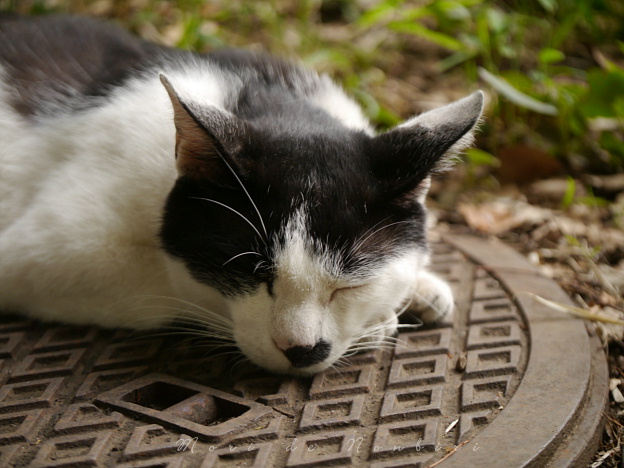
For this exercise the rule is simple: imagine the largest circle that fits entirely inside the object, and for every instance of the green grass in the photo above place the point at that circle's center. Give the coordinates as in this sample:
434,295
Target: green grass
554,67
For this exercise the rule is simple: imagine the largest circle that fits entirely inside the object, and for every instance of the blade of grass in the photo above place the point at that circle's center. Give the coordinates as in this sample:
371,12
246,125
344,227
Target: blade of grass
576,311
516,96
436,37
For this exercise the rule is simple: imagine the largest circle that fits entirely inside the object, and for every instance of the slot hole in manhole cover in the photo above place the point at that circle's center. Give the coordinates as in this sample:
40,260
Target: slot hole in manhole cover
333,410
71,449
496,331
413,400
236,460
49,361
342,378
208,410
503,357
419,368
498,389
321,447
427,341
406,435
498,307
159,395
27,391
11,424
185,403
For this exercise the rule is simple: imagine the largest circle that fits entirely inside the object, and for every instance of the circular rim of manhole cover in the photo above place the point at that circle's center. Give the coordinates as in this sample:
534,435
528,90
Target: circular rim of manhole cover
505,382
555,417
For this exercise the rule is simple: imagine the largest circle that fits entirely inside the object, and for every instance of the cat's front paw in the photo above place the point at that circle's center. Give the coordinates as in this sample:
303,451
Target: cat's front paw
432,299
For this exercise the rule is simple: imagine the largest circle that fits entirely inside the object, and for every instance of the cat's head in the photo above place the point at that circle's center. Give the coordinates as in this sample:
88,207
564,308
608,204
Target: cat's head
314,232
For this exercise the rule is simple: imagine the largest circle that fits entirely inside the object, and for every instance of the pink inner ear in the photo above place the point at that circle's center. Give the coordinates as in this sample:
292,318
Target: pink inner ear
196,158
196,154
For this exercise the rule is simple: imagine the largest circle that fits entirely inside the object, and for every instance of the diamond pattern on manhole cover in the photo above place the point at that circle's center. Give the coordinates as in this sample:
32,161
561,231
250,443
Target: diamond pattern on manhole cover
81,396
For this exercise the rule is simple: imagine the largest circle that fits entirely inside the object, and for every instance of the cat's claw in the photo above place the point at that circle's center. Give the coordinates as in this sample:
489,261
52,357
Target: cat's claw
432,299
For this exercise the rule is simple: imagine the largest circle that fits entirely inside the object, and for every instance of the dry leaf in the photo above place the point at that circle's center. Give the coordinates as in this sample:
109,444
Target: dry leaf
502,215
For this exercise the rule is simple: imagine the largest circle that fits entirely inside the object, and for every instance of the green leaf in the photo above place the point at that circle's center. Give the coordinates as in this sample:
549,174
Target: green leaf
328,59
379,14
455,59
515,96
605,89
548,5
547,56
496,19
570,191
417,29
507,51
452,10
386,117
618,107
592,200
479,157
614,145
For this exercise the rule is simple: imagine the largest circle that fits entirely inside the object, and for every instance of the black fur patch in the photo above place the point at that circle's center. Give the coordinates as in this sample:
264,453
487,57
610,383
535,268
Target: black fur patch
63,59
329,173
290,153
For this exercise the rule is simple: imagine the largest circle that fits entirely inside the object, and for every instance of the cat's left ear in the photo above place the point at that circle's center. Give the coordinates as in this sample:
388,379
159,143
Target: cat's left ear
403,158
207,139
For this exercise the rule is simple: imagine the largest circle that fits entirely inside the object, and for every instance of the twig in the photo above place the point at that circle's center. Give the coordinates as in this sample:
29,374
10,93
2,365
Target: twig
576,311
456,449
614,421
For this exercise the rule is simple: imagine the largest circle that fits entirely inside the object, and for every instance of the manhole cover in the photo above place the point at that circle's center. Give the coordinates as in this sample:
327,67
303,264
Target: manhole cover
506,382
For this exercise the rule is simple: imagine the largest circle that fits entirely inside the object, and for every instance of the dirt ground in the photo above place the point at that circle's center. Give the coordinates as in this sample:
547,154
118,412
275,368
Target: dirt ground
579,247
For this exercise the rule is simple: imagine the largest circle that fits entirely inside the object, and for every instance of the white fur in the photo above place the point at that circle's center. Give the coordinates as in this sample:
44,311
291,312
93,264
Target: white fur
302,311
81,199
71,256
331,98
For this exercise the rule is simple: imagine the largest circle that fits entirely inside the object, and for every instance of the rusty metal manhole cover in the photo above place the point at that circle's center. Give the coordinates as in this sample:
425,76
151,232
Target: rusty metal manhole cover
505,383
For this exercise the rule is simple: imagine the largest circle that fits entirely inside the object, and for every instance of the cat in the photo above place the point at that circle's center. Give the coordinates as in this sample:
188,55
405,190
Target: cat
233,190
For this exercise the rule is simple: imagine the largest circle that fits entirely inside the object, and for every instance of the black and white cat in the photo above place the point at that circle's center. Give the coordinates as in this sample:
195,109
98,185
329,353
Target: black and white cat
139,184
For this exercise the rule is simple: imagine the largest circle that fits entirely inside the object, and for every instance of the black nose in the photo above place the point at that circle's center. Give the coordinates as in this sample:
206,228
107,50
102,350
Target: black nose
304,356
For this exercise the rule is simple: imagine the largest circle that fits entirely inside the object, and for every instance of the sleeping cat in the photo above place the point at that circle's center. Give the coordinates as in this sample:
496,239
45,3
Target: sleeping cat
233,190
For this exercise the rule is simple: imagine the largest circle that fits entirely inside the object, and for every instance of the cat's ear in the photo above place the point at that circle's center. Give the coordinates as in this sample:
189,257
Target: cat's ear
207,139
403,158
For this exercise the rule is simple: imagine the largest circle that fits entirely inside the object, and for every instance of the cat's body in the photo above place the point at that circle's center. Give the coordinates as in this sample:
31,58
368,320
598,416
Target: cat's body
270,203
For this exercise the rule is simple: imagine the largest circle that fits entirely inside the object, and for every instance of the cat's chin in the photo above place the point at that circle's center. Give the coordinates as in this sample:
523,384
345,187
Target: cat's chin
276,363
386,329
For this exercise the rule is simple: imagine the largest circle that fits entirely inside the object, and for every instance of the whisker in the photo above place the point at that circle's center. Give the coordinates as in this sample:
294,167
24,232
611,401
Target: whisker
242,359
246,193
208,312
225,353
194,334
204,322
234,211
240,255
358,244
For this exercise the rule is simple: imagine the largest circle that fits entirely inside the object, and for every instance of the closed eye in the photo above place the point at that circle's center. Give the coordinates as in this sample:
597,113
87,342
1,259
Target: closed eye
346,289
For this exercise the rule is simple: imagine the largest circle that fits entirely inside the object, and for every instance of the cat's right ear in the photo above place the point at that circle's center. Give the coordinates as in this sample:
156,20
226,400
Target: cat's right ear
207,139
404,158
